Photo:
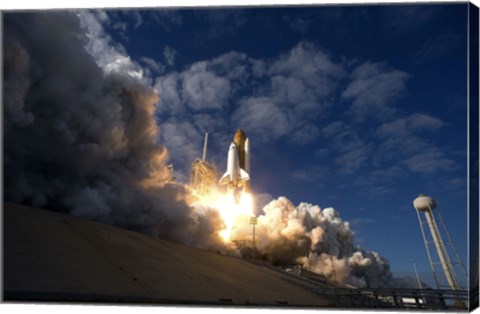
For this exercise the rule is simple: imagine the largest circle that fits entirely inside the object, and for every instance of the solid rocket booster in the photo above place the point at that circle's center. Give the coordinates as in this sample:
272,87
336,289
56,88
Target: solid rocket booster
238,163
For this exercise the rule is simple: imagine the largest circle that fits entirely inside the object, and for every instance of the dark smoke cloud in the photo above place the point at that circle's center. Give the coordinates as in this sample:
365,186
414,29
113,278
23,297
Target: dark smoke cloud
83,141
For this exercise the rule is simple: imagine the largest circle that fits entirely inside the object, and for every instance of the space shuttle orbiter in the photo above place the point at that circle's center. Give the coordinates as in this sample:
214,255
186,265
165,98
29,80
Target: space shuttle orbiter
238,164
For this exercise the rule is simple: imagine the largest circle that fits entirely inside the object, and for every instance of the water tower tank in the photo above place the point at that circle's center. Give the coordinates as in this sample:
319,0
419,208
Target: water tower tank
424,203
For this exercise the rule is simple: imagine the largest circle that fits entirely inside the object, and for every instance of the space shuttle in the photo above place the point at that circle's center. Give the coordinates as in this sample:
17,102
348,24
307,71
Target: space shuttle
238,163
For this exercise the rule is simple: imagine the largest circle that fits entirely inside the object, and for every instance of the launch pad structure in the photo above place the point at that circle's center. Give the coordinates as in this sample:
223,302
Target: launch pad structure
203,175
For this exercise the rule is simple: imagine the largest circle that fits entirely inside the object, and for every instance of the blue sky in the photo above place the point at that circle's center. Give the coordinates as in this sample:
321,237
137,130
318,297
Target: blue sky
360,108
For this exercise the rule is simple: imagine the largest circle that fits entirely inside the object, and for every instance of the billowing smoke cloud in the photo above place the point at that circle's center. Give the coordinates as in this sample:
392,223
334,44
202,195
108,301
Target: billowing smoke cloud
320,241
82,140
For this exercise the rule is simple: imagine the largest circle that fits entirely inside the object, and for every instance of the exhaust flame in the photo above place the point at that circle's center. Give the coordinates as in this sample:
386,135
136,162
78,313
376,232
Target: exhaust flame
234,211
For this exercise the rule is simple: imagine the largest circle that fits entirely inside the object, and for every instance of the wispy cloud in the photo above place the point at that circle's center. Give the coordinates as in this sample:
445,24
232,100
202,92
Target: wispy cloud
137,17
305,134
219,23
372,87
353,158
167,19
108,54
334,128
169,55
405,139
299,24
401,18
405,126
153,66
316,174
351,151
437,47
122,21
356,222
430,161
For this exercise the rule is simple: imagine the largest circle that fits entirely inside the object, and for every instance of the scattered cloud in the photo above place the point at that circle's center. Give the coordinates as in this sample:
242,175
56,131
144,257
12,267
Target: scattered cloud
263,116
404,138
203,89
290,93
356,222
219,23
169,55
312,66
199,97
119,26
430,161
297,93
407,17
379,181
306,134
153,66
166,19
334,128
108,54
372,88
183,139
406,125
169,89
137,17
352,159
351,151
300,25
120,21
314,174
437,47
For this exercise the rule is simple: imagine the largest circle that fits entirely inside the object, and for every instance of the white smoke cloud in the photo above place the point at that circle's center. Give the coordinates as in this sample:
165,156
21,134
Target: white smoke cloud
320,241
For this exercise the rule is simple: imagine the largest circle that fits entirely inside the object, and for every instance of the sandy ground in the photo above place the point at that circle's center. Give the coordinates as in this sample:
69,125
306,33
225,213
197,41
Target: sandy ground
51,256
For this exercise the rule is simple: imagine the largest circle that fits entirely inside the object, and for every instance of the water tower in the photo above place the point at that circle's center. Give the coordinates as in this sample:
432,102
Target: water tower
426,205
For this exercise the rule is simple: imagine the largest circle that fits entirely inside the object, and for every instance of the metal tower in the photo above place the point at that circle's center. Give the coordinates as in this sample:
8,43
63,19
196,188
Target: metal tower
203,175
427,205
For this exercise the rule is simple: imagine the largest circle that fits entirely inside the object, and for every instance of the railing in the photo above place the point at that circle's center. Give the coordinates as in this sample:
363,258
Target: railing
397,298
348,297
